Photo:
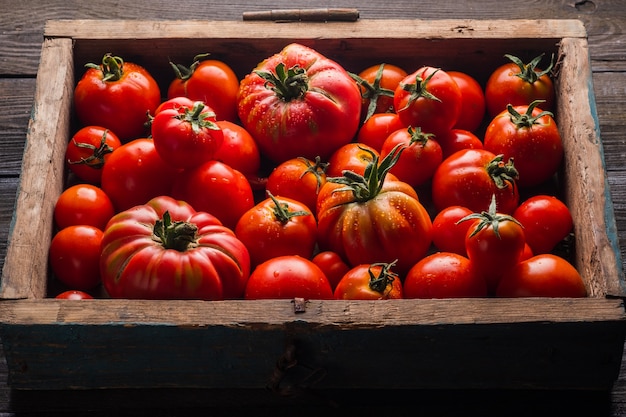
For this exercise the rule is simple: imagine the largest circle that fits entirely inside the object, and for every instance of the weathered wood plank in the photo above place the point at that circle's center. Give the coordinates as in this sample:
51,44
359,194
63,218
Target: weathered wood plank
15,109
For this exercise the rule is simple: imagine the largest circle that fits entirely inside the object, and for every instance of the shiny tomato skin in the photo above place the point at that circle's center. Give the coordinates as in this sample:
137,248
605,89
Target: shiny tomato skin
88,151
299,179
135,173
238,150
543,275
83,204
73,295
455,140
216,188
314,119
473,104
546,220
355,284
377,128
353,157
332,265
288,277
120,104
211,81
388,79
444,275
139,261
74,256
448,233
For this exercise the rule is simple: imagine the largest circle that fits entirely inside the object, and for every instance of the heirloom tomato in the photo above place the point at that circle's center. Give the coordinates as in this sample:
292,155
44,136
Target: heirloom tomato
378,84
116,95
74,256
457,139
288,277
165,249
371,218
299,179
353,157
275,227
470,177
531,137
428,98
369,282
331,265
546,220
377,128
543,275
211,81
238,150
83,204
448,233
88,150
444,275
473,101
519,84
299,103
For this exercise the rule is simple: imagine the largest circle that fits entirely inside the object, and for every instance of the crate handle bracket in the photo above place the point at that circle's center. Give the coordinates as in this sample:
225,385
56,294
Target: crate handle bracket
305,15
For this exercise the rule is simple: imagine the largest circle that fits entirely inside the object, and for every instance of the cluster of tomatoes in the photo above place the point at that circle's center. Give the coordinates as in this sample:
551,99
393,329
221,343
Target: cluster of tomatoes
305,180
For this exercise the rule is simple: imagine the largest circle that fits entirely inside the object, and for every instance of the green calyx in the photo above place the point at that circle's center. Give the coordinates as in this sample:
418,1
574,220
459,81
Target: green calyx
418,137
198,117
184,73
288,84
489,218
372,91
112,67
528,72
317,168
502,173
380,282
282,213
527,120
418,89
178,235
96,159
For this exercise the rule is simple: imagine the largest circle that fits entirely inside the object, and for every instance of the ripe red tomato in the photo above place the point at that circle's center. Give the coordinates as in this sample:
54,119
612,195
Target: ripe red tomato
277,226
470,177
216,188
546,220
299,179
543,275
455,140
444,275
369,282
519,84
531,137
73,295
377,128
378,84
428,98
288,277
299,103
165,249
88,151
239,150
116,95
135,173
211,81
420,158
332,265
186,136
448,233
473,101
353,157
83,204
74,256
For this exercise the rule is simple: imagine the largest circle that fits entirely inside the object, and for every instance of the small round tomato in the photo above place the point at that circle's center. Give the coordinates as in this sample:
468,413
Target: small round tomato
332,265
546,220
543,275
378,83
444,275
299,179
288,277
377,128
83,204
473,101
74,256
88,150
448,233
455,140
74,295
369,282
239,150
353,157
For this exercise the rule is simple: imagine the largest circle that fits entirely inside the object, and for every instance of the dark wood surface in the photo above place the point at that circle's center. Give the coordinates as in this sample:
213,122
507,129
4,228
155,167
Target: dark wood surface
21,30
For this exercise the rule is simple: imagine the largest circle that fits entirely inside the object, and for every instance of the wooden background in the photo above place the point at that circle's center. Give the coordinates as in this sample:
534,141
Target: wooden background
21,29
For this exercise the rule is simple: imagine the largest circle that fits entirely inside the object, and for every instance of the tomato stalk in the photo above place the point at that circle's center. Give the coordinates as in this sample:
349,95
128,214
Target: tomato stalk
502,173
112,67
380,282
96,159
281,211
418,137
198,117
288,84
317,169
178,235
528,71
418,89
527,120
184,73
489,218
373,91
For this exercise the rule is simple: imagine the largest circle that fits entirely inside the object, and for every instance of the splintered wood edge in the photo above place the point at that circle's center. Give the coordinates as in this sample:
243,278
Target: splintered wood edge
41,181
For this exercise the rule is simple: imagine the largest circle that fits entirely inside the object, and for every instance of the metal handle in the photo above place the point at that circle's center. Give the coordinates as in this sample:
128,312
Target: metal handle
305,15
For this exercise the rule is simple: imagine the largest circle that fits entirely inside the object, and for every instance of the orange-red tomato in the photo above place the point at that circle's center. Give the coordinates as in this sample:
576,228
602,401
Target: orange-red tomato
83,204
369,282
74,256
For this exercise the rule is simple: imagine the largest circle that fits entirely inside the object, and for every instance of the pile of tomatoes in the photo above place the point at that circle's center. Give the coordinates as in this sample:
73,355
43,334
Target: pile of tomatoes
303,179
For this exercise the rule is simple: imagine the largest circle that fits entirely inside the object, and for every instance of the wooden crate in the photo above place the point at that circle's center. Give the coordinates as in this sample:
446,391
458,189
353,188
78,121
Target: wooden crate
403,344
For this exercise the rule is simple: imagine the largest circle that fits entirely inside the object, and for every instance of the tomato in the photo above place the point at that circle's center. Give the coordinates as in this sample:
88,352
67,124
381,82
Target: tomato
186,136
299,103
74,256
288,277
378,84
428,98
332,266
239,150
299,179
420,158
369,282
88,150
377,128
473,104
455,140
353,157
546,220
371,218
518,84
135,173
531,137
470,177
216,188
543,275
211,81
448,233
116,95
165,249
494,243
83,204
444,275
277,226
73,295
